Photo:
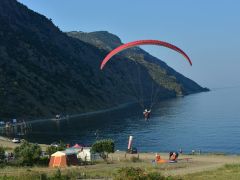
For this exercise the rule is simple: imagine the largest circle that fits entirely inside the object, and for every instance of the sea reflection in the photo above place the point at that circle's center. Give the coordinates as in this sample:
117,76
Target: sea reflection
204,121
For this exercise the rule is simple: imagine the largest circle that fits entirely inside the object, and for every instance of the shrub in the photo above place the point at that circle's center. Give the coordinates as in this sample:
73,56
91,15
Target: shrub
156,176
103,147
61,146
132,173
58,176
28,153
43,176
43,161
52,149
135,159
2,154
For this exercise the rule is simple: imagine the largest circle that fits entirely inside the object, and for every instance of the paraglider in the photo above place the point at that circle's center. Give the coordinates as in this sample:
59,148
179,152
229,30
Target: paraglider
122,47
143,42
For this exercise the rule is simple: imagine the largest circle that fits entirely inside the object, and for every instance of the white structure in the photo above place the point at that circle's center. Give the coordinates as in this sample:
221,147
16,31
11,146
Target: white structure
85,154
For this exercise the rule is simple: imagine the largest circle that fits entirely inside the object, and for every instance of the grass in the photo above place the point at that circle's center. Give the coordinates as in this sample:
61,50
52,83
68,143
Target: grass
98,170
188,167
229,172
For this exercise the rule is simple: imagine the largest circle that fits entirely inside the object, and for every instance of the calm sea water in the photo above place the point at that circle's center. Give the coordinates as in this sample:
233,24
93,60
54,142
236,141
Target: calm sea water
209,122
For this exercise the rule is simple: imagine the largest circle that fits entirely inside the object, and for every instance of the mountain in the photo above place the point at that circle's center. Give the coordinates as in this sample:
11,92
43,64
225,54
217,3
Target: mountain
158,70
44,71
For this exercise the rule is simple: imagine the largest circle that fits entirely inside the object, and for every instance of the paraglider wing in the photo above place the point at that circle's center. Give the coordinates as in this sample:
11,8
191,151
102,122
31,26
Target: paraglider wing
143,42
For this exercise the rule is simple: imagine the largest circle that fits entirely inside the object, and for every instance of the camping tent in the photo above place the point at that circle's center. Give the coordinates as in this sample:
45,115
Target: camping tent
63,159
77,146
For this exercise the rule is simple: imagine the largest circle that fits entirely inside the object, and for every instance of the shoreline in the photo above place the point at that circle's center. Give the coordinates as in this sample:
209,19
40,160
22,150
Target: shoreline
110,109
104,110
83,114
6,142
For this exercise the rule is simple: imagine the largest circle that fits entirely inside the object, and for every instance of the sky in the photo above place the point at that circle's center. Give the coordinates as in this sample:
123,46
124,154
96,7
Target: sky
208,31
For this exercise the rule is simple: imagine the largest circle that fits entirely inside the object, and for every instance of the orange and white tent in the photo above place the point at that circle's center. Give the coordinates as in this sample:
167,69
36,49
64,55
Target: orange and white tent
63,159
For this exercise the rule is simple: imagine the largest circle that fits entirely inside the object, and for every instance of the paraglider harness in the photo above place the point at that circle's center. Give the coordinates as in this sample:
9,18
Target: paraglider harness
146,114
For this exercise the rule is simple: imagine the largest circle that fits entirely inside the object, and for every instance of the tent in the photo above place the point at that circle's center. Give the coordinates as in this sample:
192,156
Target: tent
77,146
63,159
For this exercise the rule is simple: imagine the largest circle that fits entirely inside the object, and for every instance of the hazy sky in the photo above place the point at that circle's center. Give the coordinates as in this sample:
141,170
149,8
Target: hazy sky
208,31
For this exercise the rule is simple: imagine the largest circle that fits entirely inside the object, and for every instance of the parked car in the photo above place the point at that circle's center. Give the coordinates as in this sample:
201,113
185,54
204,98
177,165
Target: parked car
55,144
16,140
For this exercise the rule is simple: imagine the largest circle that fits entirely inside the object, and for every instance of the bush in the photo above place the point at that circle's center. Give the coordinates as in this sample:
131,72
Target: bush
28,153
14,163
132,173
52,149
103,147
43,176
156,176
61,146
2,154
58,176
135,159
43,161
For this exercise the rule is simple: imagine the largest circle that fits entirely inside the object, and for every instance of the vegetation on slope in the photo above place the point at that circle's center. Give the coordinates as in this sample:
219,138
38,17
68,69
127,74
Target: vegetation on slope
44,72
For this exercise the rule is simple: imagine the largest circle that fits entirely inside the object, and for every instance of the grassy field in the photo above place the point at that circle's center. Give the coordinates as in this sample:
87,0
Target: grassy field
188,166
229,172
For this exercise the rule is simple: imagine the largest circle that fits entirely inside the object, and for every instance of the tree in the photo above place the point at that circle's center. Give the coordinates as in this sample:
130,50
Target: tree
28,153
2,154
103,147
52,149
61,146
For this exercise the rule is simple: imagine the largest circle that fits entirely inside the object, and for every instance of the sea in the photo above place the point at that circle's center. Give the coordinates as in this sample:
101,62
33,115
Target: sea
204,122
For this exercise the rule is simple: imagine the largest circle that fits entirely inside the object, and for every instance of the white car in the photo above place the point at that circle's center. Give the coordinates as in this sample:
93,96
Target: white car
55,144
16,140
